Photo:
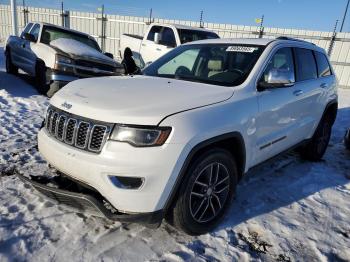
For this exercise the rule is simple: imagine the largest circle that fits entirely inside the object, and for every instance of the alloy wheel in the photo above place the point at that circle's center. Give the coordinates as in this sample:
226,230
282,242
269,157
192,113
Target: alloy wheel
209,192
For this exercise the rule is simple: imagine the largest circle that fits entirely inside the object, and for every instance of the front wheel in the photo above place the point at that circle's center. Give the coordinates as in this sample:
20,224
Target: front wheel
40,78
347,139
206,192
316,148
10,67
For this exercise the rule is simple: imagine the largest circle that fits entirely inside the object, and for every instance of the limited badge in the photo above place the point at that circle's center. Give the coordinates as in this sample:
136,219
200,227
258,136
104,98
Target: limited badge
241,49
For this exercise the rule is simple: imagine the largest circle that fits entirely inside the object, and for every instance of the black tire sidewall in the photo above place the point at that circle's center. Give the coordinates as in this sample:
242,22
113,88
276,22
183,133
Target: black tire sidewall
182,208
10,68
40,78
347,140
326,123
311,150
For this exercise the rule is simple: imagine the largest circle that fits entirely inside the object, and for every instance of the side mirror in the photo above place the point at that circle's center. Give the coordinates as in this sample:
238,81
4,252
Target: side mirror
29,37
277,78
157,38
109,55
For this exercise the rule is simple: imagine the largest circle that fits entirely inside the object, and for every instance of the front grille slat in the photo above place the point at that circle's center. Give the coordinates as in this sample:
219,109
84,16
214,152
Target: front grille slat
82,135
60,127
85,134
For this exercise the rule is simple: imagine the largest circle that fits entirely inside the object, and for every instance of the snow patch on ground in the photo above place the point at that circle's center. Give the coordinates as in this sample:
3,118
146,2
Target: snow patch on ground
285,210
75,47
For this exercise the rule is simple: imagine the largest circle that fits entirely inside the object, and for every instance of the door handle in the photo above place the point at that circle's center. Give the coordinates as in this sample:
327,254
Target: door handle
158,49
298,92
23,45
324,85
143,44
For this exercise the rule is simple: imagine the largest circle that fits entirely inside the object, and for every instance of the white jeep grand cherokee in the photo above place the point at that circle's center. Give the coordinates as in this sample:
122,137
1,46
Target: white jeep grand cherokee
175,141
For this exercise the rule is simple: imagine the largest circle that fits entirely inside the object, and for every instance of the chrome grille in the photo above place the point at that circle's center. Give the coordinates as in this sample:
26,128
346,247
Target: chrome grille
86,134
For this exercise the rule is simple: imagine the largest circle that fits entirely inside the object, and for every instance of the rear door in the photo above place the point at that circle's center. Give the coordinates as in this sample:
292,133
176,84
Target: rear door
309,88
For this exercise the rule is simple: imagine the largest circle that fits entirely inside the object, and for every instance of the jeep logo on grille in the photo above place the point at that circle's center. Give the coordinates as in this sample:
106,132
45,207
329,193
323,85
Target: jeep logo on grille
66,105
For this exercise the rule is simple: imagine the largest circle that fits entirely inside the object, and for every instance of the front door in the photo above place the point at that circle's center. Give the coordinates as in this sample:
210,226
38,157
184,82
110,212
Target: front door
277,122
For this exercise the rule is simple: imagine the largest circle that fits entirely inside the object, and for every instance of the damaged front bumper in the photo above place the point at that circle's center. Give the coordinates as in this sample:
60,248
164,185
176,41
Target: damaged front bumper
85,200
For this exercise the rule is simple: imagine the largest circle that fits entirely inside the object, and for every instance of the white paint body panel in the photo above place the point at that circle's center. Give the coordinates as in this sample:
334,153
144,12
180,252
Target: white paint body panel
196,112
148,50
108,98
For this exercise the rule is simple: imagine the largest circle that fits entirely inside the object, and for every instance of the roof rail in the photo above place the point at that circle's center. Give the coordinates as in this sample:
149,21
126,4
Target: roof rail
292,39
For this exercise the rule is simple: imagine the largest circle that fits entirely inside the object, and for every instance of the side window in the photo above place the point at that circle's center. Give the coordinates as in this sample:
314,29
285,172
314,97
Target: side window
323,66
26,29
168,37
306,64
281,63
35,31
154,29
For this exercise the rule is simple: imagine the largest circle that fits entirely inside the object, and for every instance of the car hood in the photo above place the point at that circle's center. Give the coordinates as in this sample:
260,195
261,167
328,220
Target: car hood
77,50
138,100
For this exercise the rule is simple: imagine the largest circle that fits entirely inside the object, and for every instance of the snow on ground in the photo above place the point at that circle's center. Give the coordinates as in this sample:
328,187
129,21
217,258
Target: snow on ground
286,210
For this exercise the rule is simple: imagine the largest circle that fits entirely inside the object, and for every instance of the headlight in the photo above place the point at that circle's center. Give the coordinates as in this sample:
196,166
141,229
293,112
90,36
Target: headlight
141,136
63,59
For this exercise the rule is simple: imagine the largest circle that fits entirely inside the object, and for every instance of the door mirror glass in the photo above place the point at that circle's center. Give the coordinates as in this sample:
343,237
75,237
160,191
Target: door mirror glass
280,78
29,37
157,38
279,71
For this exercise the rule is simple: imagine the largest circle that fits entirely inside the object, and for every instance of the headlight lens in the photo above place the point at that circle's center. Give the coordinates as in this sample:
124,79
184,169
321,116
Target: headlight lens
139,136
63,59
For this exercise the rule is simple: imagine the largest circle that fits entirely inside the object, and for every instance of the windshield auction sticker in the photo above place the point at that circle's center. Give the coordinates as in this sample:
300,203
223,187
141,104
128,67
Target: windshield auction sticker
241,49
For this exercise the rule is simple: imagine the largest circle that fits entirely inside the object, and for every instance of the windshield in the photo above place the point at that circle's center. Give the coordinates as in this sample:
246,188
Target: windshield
218,64
187,35
51,33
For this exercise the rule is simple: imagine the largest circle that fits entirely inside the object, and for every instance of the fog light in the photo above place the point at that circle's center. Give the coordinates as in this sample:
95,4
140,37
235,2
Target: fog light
127,182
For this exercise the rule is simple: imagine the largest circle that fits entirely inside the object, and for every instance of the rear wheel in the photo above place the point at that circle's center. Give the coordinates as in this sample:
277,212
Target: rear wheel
206,193
10,67
40,78
316,148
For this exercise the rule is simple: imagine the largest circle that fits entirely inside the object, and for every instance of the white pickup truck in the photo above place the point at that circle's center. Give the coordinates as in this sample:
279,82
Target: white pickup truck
159,40
56,55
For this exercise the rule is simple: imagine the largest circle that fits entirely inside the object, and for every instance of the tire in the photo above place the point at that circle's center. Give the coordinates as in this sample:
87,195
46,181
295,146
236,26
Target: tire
10,67
40,78
202,203
347,140
316,148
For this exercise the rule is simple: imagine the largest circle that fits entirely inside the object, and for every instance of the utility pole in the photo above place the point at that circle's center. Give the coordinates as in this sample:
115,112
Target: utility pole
25,13
334,36
261,30
201,24
103,27
14,17
150,16
344,17
62,13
